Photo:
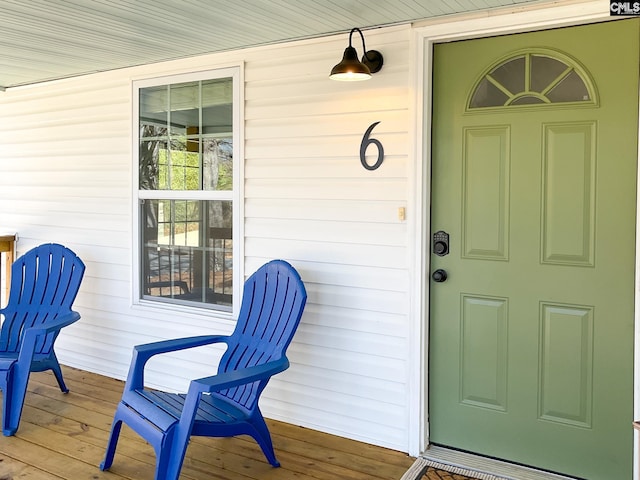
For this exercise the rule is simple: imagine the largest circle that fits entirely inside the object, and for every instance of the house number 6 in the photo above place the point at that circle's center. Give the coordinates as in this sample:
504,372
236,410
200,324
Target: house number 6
366,141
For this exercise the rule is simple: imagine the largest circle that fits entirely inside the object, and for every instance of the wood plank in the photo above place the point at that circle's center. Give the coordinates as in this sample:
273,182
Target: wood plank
16,469
48,461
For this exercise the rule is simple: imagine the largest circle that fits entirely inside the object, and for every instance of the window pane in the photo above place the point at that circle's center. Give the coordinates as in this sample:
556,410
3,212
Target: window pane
187,251
149,164
185,107
154,119
217,157
217,112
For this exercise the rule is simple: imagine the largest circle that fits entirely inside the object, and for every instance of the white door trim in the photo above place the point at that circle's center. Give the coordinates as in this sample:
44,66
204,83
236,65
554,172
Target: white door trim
425,35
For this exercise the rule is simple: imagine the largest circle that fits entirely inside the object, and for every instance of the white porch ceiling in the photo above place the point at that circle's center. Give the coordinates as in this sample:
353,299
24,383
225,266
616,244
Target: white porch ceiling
43,40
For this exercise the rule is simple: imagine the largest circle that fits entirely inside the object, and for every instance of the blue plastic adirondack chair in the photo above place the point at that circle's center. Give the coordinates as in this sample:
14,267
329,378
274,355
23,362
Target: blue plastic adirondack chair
225,404
44,284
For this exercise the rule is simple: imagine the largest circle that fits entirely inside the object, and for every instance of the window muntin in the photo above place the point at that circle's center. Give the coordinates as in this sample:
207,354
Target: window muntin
186,189
532,78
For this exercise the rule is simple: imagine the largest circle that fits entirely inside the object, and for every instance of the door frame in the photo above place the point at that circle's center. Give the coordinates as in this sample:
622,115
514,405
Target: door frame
472,26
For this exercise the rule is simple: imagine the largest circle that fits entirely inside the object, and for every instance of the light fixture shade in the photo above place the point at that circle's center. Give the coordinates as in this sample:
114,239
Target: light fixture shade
350,68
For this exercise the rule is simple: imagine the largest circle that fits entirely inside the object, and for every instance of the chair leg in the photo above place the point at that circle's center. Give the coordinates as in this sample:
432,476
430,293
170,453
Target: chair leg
6,409
165,470
57,371
171,458
111,446
263,437
14,401
53,364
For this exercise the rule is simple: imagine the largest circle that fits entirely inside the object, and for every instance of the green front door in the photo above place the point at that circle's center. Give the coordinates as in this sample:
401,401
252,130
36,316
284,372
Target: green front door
534,180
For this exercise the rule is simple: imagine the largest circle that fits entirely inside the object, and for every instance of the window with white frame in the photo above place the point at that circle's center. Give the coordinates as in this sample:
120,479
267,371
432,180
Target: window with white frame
187,188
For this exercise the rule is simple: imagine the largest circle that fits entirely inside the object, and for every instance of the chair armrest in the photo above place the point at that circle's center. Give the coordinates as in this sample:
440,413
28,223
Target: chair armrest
142,354
31,335
221,382
235,378
57,324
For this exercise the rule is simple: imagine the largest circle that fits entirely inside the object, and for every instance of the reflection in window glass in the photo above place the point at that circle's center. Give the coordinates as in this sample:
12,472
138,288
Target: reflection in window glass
570,89
154,110
184,99
189,146
488,95
217,115
187,251
217,157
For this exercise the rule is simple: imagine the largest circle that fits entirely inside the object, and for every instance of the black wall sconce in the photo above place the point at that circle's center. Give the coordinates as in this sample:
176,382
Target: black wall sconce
352,69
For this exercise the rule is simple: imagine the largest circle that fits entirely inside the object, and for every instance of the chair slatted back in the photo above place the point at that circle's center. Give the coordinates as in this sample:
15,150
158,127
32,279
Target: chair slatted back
44,285
272,304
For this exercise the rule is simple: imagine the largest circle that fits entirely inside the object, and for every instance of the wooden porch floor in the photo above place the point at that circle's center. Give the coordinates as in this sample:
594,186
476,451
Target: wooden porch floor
64,437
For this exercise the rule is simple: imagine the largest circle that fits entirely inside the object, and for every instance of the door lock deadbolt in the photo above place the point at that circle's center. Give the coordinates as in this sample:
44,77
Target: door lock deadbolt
441,243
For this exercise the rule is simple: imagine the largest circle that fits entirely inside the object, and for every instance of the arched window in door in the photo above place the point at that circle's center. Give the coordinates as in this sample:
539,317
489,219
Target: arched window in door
533,77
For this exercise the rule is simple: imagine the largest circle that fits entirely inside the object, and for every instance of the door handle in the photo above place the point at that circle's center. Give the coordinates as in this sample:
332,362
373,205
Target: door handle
439,275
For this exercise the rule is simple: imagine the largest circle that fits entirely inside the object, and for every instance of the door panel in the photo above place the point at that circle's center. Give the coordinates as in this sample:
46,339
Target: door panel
534,178
566,365
485,188
568,193
483,375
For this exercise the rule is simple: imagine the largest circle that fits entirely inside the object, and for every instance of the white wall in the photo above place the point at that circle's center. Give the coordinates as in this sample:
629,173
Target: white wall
65,176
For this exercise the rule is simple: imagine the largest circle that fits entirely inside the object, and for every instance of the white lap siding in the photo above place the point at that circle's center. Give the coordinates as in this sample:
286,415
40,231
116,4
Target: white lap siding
66,176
